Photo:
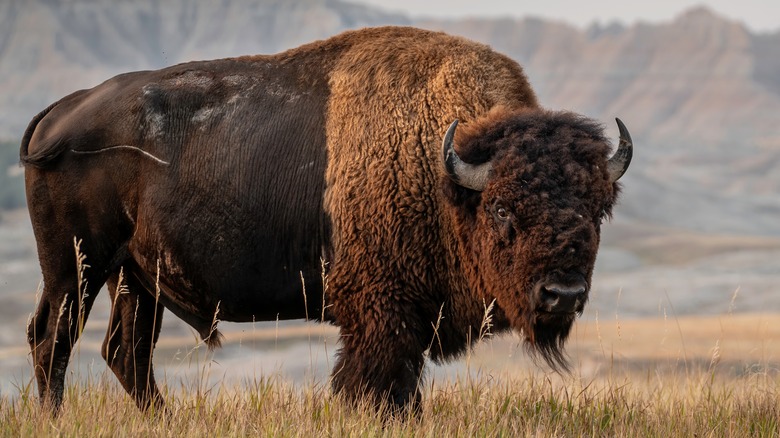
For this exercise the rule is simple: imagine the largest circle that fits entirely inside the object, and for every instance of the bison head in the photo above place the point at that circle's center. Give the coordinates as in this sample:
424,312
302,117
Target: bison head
528,215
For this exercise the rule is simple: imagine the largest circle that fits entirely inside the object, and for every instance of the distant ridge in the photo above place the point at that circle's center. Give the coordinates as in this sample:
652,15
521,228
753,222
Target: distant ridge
701,93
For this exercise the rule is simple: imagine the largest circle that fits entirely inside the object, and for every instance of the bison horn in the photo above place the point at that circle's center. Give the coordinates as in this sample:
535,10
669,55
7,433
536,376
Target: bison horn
472,176
620,160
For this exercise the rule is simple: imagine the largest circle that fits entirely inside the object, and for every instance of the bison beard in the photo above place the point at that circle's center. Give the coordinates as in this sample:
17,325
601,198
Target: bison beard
548,338
223,184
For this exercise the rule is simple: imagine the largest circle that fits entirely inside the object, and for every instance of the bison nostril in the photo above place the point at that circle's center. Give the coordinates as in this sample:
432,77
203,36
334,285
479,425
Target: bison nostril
548,298
561,298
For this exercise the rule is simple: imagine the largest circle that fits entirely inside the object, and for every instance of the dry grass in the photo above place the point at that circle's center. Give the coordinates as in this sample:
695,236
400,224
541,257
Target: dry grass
714,376
533,405
650,378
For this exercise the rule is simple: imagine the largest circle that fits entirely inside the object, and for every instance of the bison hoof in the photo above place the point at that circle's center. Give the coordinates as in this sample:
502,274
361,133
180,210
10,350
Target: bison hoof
403,402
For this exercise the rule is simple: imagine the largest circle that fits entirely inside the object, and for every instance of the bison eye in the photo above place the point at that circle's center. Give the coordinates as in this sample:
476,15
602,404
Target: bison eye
502,213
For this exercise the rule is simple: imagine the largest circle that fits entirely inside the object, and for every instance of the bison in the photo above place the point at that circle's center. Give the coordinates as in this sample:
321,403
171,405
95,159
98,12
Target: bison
414,169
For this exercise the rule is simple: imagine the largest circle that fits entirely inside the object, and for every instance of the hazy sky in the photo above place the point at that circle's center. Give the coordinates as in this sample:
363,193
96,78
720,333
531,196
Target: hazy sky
760,15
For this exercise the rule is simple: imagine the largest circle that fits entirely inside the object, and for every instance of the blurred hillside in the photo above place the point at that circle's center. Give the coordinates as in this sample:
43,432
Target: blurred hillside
697,231
701,94
50,48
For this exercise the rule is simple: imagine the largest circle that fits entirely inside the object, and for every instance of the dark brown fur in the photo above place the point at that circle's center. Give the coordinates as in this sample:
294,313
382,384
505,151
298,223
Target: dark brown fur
414,259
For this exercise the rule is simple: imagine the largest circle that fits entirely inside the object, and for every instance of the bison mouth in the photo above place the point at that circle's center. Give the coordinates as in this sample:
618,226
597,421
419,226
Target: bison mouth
558,300
548,335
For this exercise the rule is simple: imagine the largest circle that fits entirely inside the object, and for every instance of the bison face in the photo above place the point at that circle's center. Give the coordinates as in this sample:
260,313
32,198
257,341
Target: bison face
528,218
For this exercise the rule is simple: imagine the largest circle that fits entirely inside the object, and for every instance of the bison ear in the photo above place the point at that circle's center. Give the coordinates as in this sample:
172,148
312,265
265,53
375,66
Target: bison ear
618,163
472,176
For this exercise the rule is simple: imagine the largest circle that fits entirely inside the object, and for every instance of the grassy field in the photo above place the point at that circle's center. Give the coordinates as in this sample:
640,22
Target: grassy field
530,406
714,376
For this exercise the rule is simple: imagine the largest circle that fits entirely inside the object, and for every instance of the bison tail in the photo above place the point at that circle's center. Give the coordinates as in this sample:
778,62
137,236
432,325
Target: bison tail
43,155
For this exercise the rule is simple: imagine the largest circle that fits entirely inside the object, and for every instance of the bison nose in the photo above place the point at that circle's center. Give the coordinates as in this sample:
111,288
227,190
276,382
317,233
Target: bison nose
560,298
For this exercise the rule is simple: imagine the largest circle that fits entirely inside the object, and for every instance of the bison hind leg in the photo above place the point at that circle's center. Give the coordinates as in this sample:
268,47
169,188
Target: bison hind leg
133,330
60,318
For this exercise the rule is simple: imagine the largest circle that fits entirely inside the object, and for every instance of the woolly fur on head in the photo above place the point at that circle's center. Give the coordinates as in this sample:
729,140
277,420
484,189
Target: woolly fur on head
550,172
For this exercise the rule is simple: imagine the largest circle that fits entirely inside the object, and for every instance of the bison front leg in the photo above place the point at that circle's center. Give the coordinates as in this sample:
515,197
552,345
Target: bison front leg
133,330
381,359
